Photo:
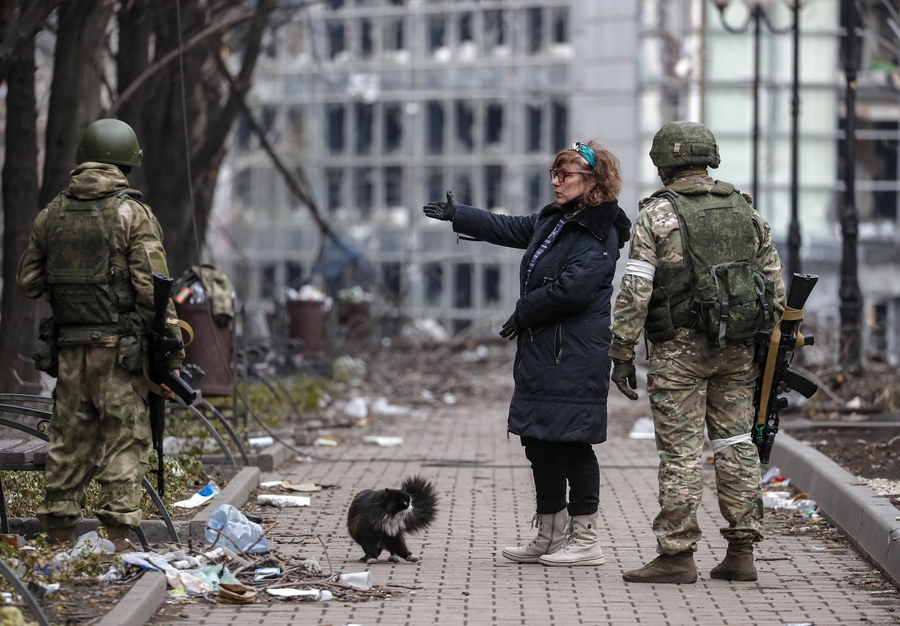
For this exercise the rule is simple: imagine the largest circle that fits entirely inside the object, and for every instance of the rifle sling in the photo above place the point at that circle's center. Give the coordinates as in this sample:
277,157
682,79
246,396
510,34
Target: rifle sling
791,315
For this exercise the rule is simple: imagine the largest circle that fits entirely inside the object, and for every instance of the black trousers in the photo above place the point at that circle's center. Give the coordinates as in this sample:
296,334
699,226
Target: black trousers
557,465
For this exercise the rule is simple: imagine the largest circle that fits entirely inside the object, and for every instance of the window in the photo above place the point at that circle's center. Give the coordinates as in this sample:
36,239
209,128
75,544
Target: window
295,127
364,190
434,283
491,284
393,127
391,277
536,184
493,123
334,128
462,188
465,118
465,27
534,30
293,273
244,133
437,27
560,124
434,119
493,186
393,186
394,33
434,183
366,44
336,38
364,132
533,128
334,179
560,24
494,31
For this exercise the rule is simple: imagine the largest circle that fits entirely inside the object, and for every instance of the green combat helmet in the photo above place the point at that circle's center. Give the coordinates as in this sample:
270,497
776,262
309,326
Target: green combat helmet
109,141
679,144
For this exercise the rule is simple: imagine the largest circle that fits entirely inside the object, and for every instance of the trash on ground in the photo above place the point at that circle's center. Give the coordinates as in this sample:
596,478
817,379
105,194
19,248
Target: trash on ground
357,407
360,580
260,442
384,442
227,526
210,491
291,486
236,593
449,398
322,595
326,440
642,429
269,499
383,407
265,573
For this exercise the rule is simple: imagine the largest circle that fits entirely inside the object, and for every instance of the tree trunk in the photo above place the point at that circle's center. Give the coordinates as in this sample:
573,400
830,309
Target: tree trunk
75,90
20,203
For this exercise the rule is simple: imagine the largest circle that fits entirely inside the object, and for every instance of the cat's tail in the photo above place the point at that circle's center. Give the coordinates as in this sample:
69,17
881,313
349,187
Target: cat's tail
424,503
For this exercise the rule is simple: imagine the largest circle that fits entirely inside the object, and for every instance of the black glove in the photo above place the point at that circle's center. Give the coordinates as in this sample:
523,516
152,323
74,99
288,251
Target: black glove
624,376
510,329
441,210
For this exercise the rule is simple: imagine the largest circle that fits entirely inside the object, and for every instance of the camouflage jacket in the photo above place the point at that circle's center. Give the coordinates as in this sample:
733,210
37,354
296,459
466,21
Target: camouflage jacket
137,239
655,243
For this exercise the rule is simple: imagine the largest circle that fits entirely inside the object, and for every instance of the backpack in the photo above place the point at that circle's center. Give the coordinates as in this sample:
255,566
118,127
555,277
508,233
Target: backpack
720,290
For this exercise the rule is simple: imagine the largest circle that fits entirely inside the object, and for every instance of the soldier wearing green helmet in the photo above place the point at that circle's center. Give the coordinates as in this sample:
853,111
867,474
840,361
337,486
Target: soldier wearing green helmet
93,251
697,243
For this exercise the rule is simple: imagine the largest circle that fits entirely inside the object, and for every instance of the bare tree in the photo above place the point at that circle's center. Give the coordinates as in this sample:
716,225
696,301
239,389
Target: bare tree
159,68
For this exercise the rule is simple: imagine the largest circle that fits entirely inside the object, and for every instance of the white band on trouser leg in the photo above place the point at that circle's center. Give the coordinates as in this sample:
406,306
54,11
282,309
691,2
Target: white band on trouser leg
720,444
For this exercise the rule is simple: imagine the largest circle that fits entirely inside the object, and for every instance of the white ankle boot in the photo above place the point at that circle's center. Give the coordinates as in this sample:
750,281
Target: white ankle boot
581,546
551,535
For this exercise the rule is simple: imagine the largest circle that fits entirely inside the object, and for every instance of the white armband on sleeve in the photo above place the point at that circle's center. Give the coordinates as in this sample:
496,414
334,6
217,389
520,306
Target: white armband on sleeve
640,268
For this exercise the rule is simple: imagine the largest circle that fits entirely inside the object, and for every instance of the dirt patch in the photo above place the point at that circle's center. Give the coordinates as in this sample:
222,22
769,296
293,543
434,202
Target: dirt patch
862,451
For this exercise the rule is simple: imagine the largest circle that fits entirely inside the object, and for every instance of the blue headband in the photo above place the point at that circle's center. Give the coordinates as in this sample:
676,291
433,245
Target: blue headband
586,152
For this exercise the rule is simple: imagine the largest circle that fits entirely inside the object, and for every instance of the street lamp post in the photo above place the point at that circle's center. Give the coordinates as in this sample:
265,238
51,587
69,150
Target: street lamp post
758,16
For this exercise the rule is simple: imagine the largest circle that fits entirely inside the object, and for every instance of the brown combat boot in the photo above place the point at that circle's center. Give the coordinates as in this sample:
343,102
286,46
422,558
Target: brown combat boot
119,537
61,537
737,565
666,568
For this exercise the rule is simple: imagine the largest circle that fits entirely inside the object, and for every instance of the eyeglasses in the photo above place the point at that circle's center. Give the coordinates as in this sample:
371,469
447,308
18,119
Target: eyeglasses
562,175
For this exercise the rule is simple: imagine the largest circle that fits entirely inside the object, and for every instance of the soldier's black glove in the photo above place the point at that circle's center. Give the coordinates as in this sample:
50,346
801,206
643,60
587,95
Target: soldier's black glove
441,210
624,376
510,329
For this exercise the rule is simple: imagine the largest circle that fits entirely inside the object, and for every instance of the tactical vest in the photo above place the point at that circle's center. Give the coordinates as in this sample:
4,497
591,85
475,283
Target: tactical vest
720,290
87,286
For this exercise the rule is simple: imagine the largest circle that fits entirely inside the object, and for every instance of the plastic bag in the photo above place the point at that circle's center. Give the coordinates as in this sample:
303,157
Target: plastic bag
227,526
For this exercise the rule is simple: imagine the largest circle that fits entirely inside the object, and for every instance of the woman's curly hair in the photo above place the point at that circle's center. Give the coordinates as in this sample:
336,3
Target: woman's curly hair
605,178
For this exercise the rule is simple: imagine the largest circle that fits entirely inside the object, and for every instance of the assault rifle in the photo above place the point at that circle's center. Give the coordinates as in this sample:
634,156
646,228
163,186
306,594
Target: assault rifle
774,352
162,345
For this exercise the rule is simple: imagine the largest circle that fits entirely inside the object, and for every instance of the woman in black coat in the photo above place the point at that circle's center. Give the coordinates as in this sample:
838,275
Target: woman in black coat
562,326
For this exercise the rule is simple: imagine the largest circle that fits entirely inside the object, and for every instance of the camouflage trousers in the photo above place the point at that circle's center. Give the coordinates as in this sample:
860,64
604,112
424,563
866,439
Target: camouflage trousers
695,386
100,429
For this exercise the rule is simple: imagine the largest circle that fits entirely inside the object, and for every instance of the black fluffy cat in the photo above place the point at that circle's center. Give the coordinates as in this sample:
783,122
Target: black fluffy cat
379,519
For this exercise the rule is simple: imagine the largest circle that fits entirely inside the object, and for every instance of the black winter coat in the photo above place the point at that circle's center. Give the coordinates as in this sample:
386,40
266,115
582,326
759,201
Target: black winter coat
562,365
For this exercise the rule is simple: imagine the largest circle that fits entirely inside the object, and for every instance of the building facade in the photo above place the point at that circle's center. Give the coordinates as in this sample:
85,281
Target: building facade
379,106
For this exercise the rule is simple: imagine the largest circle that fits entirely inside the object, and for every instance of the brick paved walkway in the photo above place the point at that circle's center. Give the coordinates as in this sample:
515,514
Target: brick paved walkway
486,503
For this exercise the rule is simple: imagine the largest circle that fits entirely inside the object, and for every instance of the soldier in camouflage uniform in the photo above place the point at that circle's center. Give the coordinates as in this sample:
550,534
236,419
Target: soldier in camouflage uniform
93,251
693,382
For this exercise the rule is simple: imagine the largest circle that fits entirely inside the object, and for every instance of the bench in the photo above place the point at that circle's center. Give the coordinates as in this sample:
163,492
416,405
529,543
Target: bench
30,455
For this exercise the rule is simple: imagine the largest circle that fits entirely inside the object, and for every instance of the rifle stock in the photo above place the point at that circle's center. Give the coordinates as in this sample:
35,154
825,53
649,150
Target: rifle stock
162,345
774,352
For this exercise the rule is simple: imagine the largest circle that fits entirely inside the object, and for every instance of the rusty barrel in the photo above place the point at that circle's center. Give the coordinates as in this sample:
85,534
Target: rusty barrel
211,348
307,322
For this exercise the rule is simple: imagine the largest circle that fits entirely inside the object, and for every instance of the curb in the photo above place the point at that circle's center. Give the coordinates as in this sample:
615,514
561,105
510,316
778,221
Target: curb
267,459
140,603
869,521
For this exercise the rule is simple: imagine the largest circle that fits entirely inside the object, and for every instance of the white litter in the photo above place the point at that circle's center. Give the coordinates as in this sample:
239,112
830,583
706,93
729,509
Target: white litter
282,501
260,442
384,442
